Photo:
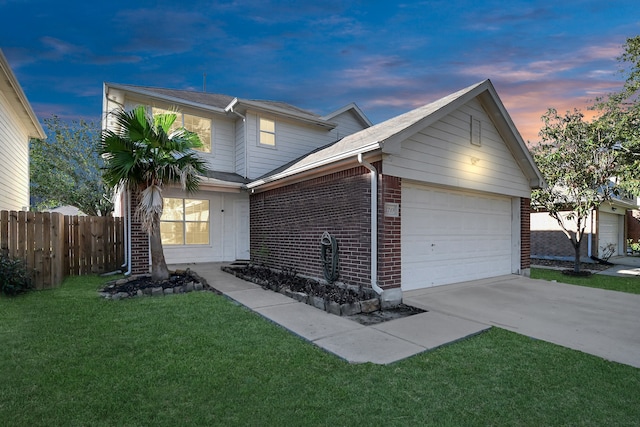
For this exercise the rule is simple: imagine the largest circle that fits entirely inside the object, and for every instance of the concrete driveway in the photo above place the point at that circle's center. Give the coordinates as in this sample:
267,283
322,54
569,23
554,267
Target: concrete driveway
595,321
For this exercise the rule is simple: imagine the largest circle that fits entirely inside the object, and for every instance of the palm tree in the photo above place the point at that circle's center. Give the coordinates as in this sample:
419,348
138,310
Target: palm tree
143,155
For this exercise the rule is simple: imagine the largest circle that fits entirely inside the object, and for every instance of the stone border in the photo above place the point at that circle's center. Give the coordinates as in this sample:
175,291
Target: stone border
164,288
365,306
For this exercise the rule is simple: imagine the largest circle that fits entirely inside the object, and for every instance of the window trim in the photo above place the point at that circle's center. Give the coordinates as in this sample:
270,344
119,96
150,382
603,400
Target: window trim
260,131
184,223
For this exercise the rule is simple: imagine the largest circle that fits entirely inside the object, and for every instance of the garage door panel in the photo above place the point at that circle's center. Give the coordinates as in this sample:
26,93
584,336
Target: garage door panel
608,231
452,236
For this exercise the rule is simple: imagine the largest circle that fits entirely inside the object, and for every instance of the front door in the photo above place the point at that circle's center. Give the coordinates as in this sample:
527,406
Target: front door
241,208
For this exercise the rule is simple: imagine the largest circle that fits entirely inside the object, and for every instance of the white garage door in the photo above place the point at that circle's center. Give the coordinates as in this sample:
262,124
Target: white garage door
608,232
453,236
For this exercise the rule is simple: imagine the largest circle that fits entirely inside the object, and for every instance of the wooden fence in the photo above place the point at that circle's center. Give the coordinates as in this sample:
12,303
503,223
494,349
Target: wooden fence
54,246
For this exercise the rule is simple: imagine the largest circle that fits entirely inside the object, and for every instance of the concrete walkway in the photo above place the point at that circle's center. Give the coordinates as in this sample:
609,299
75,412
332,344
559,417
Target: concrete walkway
382,344
625,266
595,321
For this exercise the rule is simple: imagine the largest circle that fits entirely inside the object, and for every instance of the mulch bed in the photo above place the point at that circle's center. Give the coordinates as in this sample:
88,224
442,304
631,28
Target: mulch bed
179,282
354,302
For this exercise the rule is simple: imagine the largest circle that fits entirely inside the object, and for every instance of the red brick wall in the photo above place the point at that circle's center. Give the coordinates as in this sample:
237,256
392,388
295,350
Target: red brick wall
139,241
288,222
633,225
389,233
525,233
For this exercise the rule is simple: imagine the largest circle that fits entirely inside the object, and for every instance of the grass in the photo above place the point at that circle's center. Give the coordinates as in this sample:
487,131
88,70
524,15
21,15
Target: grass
70,358
612,283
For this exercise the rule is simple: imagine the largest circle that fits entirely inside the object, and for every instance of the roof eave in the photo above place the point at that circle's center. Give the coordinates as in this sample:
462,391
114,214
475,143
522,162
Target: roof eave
33,126
167,98
251,105
313,166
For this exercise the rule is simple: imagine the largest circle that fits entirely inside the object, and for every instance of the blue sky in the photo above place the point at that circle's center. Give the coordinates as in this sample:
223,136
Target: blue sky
386,56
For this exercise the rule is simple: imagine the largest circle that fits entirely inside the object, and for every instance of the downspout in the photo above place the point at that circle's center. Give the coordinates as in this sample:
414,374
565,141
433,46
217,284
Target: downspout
374,223
128,233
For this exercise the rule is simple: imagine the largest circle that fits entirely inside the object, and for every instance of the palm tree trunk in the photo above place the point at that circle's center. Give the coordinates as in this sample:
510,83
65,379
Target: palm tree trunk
159,270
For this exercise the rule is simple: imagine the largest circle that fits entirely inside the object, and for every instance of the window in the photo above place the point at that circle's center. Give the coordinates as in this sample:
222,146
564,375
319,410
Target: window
185,222
267,132
196,124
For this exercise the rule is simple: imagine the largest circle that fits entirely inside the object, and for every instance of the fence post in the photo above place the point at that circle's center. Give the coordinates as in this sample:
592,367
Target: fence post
59,249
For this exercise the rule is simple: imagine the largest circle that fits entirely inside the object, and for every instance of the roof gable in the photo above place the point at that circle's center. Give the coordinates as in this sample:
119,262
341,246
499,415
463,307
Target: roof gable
13,91
388,135
225,103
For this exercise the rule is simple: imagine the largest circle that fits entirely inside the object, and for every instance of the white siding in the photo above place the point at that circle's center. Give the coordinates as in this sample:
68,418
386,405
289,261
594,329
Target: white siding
443,154
348,123
14,152
223,134
240,149
222,229
293,140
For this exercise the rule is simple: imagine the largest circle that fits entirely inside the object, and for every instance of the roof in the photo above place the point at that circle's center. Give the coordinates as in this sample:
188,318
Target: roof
388,135
13,91
226,104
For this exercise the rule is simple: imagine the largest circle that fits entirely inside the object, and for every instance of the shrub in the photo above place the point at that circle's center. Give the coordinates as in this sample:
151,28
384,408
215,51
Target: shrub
13,276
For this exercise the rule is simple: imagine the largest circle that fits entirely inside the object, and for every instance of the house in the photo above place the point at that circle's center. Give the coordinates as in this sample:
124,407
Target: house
438,195
243,139
605,234
18,123
451,182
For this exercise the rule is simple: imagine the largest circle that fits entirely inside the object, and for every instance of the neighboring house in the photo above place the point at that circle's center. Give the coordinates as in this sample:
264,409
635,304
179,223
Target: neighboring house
605,234
18,123
438,195
243,139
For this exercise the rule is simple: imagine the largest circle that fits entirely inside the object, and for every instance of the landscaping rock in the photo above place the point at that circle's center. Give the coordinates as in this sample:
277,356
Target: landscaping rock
156,292
188,287
350,309
317,302
370,305
168,291
139,293
333,308
198,286
300,296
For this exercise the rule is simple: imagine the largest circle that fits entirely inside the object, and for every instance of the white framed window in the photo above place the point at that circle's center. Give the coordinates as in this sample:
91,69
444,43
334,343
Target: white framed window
266,132
199,125
185,222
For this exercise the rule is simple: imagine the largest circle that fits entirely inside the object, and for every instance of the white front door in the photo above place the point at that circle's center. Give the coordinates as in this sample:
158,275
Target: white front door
241,208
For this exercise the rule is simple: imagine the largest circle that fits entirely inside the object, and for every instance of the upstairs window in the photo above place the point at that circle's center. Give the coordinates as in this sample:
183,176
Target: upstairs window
185,222
267,135
192,123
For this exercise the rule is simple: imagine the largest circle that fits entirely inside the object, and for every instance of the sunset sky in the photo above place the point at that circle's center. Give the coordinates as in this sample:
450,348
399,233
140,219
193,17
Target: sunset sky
386,56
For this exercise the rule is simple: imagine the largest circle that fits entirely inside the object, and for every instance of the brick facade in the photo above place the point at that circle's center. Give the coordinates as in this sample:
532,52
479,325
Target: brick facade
288,222
139,241
389,233
633,225
525,233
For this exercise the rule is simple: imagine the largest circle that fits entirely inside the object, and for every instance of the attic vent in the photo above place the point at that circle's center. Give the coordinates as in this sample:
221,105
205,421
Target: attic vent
476,132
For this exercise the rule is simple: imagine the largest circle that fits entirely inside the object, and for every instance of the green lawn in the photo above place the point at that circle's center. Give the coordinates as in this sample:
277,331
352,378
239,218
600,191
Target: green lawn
612,283
72,359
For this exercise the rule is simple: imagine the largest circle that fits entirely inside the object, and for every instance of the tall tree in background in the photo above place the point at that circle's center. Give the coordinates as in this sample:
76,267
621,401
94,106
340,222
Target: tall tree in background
619,117
577,163
65,168
143,155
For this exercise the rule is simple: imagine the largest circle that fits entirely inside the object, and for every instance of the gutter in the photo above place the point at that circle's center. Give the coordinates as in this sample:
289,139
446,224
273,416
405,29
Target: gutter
374,223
